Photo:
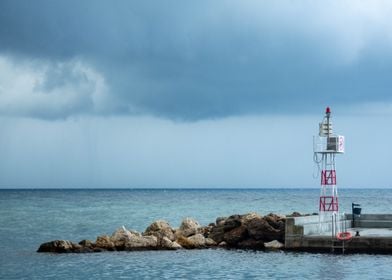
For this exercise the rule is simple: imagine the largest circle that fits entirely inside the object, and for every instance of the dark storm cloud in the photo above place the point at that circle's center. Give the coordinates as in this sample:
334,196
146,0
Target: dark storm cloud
194,60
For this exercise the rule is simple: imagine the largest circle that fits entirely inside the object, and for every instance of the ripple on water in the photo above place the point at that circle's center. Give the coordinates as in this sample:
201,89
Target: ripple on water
28,218
203,264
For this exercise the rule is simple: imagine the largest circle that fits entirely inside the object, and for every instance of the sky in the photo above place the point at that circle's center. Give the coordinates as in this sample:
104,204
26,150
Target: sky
190,94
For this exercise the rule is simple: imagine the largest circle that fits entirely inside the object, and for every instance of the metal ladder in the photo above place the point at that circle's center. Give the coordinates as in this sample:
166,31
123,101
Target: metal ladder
336,243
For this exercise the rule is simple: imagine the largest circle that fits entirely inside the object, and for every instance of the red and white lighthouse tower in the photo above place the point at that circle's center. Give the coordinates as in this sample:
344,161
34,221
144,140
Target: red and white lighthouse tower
326,145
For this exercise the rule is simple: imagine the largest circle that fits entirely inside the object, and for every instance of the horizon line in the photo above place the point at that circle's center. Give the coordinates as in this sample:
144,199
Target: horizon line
180,188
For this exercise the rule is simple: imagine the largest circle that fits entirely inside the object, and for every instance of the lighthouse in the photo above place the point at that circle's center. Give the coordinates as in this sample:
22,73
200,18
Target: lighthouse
326,145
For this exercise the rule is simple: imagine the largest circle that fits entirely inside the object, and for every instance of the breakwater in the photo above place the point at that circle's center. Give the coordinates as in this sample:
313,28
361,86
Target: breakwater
370,233
247,231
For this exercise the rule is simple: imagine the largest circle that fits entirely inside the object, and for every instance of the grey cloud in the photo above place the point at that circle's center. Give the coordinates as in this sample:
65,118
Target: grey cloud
50,90
195,60
58,75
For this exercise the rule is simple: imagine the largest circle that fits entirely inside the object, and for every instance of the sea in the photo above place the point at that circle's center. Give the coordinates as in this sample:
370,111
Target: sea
33,216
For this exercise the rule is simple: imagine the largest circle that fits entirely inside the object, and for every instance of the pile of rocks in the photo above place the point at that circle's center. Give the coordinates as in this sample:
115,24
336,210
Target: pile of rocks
250,231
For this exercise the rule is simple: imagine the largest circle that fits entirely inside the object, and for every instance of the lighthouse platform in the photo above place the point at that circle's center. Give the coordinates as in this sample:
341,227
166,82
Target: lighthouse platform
371,233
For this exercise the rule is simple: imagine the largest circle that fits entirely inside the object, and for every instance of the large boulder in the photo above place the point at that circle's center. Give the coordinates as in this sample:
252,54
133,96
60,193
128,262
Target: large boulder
136,242
86,243
196,241
166,244
235,235
59,246
260,229
105,242
160,229
188,227
205,230
217,233
210,242
248,217
121,236
222,244
184,242
249,230
276,221
220,221
232,222
274,244
232,229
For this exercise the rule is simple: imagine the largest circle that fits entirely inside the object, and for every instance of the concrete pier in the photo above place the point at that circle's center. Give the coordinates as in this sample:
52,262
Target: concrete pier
375,234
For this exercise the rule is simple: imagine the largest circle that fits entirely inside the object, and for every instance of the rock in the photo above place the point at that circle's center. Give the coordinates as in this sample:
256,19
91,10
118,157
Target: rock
175,246
124,234
205,230
136,242
123,239
235,235
121,236
82,249
222,244
188,227
275,244
198,240
217,233
86,243
157,226
260,229
275,221
177,234
251,243
220,221
232,222
59,246
210,242
294,214
132,240
160,229
184,242
104,242
166,243
248,217
225,225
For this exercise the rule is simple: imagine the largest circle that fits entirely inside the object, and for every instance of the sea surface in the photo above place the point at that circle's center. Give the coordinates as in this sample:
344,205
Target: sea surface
31,217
